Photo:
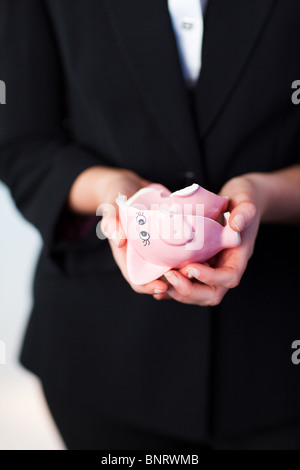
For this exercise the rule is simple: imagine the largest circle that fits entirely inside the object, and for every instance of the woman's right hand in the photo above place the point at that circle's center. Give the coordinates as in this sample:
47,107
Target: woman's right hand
97,188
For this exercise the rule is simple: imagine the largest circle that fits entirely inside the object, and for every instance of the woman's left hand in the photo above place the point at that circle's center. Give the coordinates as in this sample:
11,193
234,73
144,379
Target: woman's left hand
207,284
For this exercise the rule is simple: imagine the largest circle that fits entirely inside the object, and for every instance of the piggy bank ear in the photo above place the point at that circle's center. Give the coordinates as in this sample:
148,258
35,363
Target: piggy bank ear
174,229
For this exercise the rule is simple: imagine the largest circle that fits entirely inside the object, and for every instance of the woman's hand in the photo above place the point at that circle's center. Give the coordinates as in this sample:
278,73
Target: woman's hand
96,190
253,198
206,284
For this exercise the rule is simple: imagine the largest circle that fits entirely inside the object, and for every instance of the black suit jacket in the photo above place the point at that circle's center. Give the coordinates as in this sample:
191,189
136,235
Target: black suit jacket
92,82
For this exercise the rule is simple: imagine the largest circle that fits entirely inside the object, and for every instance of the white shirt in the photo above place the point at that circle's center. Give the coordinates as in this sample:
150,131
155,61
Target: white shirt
187,20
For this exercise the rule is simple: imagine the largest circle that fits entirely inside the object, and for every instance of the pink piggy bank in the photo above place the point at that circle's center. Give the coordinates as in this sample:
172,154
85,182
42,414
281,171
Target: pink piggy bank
167,230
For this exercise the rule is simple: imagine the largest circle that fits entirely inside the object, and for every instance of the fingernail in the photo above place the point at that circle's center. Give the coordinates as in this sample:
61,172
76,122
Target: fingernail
193,273
239,222
172,278
158,291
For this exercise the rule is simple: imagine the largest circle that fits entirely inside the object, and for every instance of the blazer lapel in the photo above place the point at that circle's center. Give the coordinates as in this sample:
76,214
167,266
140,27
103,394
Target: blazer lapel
232,30
144,33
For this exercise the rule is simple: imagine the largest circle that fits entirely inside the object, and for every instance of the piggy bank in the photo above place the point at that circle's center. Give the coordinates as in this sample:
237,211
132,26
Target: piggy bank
167,230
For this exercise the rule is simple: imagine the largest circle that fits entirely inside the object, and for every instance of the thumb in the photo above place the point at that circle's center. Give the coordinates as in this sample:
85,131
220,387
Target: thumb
145,183
242,216
112,229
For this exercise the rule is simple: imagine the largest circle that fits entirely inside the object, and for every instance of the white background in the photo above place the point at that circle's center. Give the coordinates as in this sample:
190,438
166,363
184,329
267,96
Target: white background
25,422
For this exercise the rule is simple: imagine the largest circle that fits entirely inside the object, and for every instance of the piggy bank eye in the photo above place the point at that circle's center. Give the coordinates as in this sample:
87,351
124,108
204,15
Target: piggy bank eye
145,236
141,219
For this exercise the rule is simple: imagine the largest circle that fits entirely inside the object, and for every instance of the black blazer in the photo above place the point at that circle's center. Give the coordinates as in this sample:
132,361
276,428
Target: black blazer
92,82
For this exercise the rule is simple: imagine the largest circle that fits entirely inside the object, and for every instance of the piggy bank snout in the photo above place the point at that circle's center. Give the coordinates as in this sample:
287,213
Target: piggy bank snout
175,229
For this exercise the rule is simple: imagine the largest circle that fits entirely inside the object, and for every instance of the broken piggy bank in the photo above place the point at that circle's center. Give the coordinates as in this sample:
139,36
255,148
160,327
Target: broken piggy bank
167,230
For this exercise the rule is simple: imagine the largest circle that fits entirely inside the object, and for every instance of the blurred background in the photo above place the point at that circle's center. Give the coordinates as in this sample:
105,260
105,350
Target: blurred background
25,422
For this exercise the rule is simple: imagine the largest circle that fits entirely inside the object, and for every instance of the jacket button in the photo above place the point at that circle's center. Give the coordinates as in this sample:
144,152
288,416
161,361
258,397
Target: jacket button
189,177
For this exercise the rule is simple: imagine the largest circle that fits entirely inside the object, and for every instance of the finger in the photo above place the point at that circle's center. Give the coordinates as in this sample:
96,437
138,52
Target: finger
162,296
110,224
227,276
182,285
186,270
145,183
203,296
186,291
112,229
242,216
156,287
185,287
